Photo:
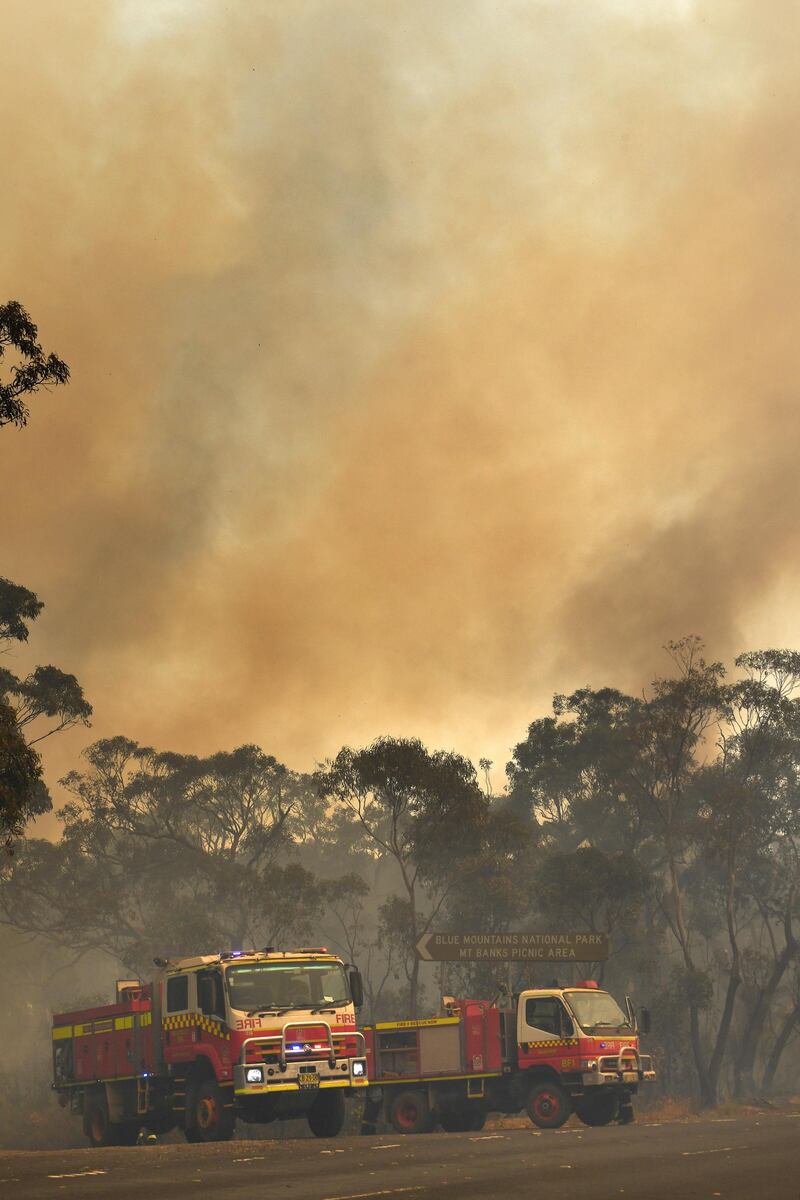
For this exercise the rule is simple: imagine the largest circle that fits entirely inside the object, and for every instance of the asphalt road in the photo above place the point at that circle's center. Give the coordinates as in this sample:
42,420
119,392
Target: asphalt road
750,1158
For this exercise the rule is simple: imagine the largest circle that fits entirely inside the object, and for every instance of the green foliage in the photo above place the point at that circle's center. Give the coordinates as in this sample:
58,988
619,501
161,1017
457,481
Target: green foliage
420,811
590,889
167,853
18,607
46,693
22,793
33,370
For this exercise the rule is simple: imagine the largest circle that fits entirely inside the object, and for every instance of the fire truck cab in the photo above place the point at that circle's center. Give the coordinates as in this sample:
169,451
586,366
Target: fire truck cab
259,1036
549,1051
579,1051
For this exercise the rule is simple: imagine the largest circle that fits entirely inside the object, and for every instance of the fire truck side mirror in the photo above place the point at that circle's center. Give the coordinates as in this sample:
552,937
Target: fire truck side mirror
644,1020
356,986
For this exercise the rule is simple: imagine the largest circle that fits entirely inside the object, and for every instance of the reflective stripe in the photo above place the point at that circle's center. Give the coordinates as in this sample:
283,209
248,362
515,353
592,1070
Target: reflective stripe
62,1031
123,1022
552,1042
194,1020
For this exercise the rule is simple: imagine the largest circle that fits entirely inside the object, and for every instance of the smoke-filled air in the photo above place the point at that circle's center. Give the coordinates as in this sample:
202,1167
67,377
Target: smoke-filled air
425,361
425,358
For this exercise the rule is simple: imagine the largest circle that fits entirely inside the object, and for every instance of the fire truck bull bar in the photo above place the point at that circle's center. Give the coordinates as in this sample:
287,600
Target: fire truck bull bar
611,1068
281,1038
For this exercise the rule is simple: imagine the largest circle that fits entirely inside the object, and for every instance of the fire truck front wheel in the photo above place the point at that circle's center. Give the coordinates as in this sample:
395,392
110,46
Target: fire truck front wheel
326,1115
598,1108
548,1105
210,1116
409,1112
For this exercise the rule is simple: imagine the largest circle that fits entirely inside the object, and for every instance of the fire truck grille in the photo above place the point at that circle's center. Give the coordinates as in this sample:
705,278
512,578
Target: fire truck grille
302,1051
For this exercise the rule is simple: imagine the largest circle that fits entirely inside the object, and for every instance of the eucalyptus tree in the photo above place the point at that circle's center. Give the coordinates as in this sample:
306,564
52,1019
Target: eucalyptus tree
420,811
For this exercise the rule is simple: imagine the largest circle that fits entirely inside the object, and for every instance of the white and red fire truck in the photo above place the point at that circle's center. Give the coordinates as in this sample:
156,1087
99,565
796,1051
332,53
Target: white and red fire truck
551,1051
269,1035
258,1036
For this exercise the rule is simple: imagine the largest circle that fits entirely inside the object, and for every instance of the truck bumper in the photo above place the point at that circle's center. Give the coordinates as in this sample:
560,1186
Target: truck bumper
604,1078
299,1077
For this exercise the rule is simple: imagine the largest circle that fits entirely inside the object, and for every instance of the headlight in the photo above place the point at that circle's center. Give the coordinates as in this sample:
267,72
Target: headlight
359,1067
254,1075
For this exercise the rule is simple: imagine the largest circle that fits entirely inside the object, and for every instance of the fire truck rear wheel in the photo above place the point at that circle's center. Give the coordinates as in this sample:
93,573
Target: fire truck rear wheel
548,1105
326,1115
409,1112
600,1108
211,1119
466,1118
128,1133
100,1130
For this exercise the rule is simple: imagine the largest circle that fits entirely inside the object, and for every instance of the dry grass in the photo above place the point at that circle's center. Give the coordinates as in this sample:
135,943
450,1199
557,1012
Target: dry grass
674,1108
669,1108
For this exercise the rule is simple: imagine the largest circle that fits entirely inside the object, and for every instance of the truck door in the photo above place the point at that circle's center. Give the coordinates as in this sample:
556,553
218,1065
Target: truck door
210,997
543,1027
179,1017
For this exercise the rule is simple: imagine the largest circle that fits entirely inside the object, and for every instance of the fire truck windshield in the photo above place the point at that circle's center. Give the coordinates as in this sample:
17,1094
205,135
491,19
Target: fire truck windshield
598,1011
263,987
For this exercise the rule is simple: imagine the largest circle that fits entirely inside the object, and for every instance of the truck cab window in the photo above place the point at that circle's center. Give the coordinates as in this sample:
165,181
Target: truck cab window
178,993
547,1014
209,994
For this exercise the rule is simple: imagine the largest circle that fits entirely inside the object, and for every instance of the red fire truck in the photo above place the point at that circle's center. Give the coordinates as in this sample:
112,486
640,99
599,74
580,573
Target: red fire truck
258,1036
551,1051
272,1034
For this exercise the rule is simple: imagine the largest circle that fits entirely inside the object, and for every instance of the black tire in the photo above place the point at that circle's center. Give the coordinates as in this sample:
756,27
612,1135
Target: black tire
455,1120
626,1114
326,1115
465,1118
409,1112
548,1105
600,1108
371,1116
209,1113
127,1133
96,1122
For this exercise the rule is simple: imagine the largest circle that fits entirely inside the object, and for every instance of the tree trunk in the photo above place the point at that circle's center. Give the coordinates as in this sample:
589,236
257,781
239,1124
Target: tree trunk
721,1042
707,1093
746,1059
413,981
745,1085
723,1031
413,988
781,1042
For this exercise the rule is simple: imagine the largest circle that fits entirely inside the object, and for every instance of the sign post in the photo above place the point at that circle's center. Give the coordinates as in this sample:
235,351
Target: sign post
513,947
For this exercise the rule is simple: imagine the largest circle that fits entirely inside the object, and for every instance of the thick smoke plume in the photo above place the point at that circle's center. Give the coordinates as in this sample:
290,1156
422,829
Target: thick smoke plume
426,358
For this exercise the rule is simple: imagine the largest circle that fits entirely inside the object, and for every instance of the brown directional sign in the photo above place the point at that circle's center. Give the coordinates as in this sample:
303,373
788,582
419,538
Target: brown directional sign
513,947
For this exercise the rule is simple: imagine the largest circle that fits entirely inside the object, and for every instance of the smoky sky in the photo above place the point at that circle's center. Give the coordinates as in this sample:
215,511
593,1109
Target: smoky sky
426,358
